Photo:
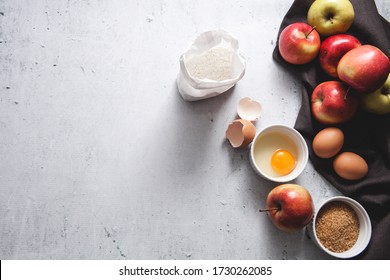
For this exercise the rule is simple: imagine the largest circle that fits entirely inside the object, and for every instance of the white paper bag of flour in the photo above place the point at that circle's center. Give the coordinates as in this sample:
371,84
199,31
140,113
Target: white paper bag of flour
210,66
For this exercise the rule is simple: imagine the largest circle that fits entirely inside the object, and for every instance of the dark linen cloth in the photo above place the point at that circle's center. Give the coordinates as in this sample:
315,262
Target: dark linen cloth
367,134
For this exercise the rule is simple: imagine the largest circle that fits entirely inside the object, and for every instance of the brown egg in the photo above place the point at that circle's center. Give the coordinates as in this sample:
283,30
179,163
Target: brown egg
240,133
328,142
350,166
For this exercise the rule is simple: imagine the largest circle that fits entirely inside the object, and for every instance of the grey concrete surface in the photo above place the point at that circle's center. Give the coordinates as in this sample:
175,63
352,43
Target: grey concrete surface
101,158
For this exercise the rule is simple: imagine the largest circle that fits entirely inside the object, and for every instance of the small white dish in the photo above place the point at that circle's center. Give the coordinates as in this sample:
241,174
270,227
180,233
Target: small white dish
364,228
300,151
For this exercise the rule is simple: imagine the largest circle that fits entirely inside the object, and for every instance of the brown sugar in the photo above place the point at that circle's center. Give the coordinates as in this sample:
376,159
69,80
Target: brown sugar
337,226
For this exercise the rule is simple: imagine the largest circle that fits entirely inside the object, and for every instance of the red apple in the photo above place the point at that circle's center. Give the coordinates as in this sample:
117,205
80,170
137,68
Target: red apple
290,207
333,49
299,43
332,102
364,68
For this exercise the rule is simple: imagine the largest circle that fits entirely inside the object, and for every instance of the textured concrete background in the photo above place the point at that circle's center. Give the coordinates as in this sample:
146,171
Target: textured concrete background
101,158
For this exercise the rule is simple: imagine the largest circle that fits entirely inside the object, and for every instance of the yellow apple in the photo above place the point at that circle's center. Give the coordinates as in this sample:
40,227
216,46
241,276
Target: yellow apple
331,16
378,102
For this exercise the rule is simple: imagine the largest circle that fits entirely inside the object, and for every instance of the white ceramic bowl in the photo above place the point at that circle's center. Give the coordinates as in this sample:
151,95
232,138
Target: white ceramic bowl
364,228
301,147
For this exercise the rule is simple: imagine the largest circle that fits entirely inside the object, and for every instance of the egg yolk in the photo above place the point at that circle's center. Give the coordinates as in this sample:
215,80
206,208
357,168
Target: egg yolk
282,162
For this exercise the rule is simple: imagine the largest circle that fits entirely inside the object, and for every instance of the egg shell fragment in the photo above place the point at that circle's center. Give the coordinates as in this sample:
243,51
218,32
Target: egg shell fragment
350,166
328,142
249,109
240,133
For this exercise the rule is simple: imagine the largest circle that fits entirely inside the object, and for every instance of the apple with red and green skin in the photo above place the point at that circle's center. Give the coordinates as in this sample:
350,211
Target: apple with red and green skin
378,102
333,48
332,102
364,68
299,43
290,207
331,16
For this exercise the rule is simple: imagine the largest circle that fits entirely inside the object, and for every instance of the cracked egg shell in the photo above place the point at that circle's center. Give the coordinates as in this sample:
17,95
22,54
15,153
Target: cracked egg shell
240,133
249,109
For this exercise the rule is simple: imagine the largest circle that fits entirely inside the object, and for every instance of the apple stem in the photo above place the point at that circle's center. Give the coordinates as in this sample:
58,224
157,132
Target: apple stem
269,209
307,35
346,93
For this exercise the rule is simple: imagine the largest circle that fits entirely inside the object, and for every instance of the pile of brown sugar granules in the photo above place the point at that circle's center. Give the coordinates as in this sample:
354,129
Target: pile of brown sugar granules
337,226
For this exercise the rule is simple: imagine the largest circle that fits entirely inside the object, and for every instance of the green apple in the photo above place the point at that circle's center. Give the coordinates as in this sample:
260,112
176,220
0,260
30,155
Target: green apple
331,16
378,102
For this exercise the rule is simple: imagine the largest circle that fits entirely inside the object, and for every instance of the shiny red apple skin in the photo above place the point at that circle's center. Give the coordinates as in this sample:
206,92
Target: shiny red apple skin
333,49
364,68
332,102
299,43
294,206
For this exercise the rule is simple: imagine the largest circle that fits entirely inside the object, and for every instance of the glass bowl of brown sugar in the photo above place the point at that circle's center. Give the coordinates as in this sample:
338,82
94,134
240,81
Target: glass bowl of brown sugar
341,227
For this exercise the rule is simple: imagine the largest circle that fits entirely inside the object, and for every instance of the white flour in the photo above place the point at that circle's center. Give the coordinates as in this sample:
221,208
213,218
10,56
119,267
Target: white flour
214,64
